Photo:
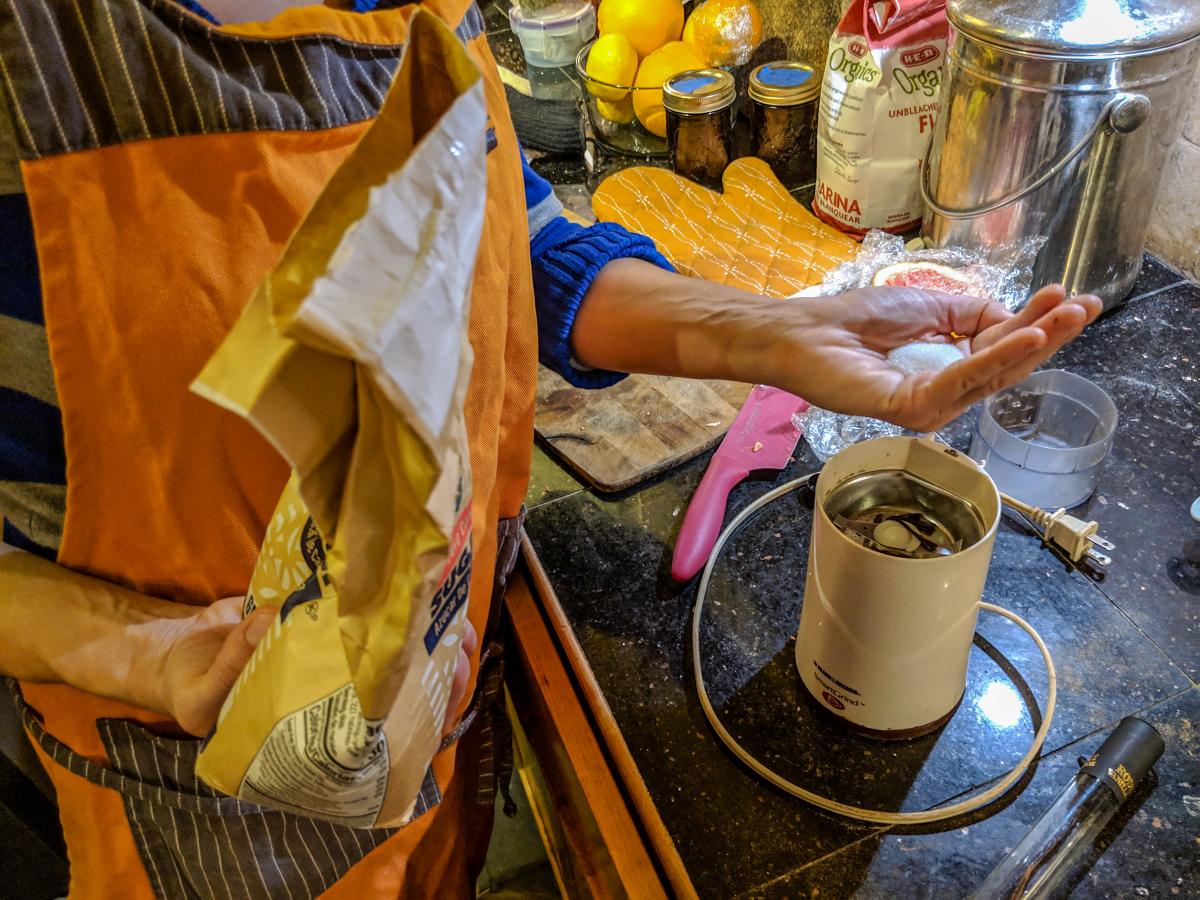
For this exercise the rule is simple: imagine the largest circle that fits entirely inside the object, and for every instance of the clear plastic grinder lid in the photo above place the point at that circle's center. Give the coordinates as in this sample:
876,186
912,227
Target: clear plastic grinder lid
1078,27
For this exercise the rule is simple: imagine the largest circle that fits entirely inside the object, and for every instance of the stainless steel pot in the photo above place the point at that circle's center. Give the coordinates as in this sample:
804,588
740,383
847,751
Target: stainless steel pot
1056,120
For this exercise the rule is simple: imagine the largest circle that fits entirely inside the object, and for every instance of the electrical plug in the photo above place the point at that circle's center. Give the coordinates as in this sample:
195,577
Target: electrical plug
1076,538
1072,536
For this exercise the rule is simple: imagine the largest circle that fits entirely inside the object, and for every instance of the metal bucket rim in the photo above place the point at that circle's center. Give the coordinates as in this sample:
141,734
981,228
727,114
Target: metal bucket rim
1051,55
1093,88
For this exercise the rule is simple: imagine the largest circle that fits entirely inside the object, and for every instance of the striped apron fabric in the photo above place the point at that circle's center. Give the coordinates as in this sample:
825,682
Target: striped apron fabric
163,164
195,842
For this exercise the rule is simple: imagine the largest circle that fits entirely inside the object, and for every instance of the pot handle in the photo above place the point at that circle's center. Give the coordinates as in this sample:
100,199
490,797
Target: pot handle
1123,114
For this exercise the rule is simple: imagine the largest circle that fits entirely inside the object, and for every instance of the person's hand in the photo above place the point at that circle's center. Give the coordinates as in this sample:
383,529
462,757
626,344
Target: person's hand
834,355
462,674
201,656
832,351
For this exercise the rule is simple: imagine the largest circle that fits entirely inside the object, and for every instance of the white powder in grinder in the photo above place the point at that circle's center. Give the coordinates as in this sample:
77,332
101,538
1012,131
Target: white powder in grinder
915,358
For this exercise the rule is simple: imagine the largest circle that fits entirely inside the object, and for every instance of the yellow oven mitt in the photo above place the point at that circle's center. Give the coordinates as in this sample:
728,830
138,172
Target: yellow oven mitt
754,236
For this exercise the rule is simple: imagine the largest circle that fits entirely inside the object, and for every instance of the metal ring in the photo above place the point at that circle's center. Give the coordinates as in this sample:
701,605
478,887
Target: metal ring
1103,121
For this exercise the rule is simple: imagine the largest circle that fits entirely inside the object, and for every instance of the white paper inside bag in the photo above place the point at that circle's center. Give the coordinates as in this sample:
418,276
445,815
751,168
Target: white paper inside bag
417,243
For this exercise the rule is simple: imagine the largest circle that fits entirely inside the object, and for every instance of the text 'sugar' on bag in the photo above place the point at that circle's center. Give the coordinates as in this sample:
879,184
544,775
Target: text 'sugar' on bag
352,359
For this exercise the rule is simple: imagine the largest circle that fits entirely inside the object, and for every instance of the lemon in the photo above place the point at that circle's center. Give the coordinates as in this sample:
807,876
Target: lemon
613,60
726,31
620,112
668,60
648,24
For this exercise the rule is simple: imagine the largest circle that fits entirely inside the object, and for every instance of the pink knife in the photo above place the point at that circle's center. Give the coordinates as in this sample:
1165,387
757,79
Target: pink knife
762,436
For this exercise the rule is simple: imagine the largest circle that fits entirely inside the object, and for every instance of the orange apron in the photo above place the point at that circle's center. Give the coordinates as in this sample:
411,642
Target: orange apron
166,163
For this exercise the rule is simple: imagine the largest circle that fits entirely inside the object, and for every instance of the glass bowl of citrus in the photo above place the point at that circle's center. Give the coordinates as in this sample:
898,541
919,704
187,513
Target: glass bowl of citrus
642,43
608,74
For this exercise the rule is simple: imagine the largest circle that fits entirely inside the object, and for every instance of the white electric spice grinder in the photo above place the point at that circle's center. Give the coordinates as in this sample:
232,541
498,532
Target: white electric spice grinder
902,537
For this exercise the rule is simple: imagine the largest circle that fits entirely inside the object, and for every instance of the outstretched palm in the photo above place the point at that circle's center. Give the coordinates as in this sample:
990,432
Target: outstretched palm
839,355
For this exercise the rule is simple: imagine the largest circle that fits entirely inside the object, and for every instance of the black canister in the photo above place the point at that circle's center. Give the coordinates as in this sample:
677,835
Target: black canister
1055,853
783,120
699,106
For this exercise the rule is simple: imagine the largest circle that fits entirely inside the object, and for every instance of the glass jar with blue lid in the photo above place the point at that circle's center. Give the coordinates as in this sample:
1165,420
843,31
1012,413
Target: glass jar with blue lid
783,120
699,106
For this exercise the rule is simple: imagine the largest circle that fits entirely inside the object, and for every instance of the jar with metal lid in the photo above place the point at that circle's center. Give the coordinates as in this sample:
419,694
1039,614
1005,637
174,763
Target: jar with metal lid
1056,120
699,106
783,120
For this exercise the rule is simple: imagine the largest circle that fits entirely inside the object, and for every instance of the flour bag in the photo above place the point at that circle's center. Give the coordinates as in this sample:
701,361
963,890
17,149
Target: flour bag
879,102
352,359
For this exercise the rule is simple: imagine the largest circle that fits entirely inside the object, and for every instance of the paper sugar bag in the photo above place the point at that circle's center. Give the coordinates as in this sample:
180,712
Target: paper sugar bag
352,358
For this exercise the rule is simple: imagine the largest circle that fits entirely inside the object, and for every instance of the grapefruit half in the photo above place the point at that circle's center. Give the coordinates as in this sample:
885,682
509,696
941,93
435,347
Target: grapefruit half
928,276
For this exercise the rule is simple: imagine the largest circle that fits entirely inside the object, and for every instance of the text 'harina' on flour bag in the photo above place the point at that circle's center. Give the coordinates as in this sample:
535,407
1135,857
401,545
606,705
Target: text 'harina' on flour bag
879,102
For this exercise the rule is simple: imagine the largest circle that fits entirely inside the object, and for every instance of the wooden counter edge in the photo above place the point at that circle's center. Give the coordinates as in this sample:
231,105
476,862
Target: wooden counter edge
649,820
592,833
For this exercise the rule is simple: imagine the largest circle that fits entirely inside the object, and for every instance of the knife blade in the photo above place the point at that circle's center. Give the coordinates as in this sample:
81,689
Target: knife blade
762,436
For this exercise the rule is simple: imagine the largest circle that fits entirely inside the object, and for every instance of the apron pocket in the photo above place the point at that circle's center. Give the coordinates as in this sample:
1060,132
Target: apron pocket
202,844
196,843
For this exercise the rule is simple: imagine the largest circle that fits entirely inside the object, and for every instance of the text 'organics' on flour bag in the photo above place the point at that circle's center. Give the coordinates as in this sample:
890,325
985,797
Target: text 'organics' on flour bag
879,102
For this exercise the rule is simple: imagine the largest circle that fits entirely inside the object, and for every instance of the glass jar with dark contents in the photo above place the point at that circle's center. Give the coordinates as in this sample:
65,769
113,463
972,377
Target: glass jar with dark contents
783,120
699,105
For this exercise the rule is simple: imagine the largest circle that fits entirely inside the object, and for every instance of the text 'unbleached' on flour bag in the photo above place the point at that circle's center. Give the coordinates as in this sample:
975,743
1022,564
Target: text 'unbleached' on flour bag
879,102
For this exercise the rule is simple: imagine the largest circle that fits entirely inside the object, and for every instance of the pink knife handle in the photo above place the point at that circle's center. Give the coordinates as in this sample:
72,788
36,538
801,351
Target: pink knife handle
702,521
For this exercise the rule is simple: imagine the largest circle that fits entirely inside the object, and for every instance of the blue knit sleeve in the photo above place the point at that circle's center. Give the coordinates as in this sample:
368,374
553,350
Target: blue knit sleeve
566,260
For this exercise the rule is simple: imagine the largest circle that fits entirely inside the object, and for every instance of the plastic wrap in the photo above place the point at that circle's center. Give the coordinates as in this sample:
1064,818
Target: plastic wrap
1004,275
829,432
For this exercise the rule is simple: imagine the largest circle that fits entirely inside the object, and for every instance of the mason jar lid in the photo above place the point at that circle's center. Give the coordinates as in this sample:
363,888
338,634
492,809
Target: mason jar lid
1078,27
784,84
699,91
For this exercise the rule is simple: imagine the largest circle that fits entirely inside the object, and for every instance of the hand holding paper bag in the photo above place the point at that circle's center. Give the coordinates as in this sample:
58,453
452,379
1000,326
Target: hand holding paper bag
352,359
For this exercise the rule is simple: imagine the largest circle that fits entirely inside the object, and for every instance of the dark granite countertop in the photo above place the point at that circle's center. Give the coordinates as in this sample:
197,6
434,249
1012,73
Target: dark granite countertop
1125,643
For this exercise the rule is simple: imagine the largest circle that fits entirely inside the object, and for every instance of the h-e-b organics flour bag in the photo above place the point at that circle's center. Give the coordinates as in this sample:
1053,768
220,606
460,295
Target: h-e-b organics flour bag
879,102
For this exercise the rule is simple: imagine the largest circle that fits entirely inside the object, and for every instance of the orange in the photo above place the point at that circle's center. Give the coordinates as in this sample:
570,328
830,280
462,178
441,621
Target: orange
647,23
726,31
612,60
668,60
620,112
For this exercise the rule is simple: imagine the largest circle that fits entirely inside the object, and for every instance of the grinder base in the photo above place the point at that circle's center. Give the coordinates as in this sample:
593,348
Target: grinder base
880,734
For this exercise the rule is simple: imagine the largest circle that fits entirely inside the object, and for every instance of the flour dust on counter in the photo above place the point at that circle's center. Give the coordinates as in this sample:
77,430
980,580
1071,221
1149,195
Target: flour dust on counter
1146,357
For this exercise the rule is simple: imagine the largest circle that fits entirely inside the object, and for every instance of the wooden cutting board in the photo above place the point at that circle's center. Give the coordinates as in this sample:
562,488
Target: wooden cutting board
646,424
